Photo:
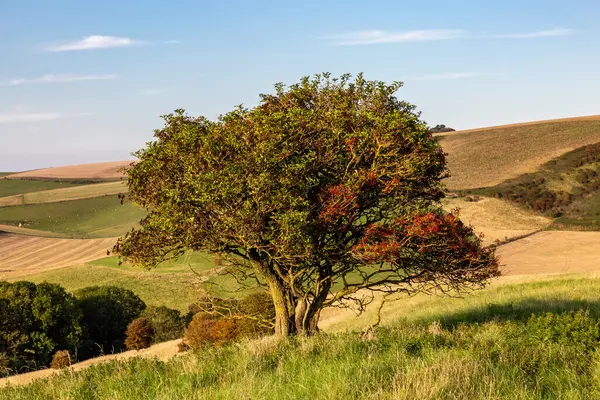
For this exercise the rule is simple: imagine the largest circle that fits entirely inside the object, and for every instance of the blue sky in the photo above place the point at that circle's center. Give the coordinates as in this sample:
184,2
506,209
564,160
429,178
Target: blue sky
86,81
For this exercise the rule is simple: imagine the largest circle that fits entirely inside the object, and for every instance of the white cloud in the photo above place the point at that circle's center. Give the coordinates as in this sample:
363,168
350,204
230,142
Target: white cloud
61,78
443,76
14,117
377,36
538,34
93,42
150,92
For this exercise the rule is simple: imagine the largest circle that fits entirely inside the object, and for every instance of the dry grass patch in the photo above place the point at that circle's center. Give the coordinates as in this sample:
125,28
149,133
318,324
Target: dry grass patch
76,193
487,157
96,171
497,219
26,255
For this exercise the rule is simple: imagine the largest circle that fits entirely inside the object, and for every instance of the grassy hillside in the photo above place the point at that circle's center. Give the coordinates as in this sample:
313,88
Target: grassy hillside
487,157
76,193
485,346
88,218
10,187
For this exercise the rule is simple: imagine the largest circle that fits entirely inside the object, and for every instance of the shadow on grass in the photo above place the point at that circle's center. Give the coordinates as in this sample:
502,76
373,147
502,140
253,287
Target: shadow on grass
516,311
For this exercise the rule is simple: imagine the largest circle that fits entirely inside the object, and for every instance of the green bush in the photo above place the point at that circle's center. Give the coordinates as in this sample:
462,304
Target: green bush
37,321
107,311
167,323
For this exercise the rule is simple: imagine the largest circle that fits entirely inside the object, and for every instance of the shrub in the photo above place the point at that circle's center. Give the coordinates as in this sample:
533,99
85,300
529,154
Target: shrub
197,334
107,311
37,320
167,323
224,331
139,334
61,359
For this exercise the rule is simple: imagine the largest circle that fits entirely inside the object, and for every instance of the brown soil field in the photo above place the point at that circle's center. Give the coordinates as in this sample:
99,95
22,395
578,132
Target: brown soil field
96,171
488,156
25,255
551,252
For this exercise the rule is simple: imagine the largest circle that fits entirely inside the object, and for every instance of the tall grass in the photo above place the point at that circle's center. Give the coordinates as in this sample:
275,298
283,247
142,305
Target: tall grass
485,346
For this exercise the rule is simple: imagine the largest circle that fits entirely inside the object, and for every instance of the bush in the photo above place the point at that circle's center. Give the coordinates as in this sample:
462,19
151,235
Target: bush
167,323
197,334
37,320
107,311
61,359
139,334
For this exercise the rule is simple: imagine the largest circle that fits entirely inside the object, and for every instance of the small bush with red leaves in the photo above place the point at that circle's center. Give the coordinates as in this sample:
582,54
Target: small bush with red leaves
140,334
61,359
197,334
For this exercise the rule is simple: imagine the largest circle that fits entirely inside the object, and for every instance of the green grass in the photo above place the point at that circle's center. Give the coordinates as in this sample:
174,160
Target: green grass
175,284
486,347
6,173
10,187
86,218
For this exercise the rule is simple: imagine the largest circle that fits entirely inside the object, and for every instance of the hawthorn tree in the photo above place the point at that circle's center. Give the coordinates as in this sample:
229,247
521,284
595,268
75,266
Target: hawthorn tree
325,193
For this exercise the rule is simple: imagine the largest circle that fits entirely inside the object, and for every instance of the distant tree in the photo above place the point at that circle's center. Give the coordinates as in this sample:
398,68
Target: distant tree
441,128
107,311
35,322
167,323
326,192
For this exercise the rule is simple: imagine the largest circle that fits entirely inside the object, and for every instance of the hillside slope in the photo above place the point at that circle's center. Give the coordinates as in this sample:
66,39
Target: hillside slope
489,156
95,171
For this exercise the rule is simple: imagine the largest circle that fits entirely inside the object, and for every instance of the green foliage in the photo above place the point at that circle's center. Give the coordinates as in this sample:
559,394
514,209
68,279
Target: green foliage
37,320
287,190
167,323
139,334
107,311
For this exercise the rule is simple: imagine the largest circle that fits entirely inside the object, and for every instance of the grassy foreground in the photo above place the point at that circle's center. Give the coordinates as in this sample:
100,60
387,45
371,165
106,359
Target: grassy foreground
484,346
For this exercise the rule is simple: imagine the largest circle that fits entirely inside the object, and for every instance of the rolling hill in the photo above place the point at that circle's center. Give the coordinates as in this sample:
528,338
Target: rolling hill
89,172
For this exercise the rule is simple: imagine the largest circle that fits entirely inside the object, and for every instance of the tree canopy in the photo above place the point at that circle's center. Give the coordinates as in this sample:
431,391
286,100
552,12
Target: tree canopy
324,193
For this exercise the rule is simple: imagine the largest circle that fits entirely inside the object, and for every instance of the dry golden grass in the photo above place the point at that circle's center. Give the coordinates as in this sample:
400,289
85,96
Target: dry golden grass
551,252
497,219
488,156
76,193
15,200
96,171
26,255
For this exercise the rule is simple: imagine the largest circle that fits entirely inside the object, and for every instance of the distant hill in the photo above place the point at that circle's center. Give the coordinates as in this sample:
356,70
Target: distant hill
91,172
488,156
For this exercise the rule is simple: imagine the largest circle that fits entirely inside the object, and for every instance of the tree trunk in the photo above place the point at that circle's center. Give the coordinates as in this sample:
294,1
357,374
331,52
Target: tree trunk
284,322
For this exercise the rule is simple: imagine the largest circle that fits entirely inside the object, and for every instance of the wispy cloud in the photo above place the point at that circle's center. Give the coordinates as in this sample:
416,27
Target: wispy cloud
150,92
378,36
443,76
14,117
92,42
60,78
537,34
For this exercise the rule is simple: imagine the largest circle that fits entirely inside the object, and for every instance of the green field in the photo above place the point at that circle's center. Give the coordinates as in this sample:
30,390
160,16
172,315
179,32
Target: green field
174,284
75,193
87,218
10,187
484,346
5,173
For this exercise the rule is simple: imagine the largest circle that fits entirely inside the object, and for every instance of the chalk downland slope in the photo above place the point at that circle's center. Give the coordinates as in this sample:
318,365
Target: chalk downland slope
486,157
96,171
